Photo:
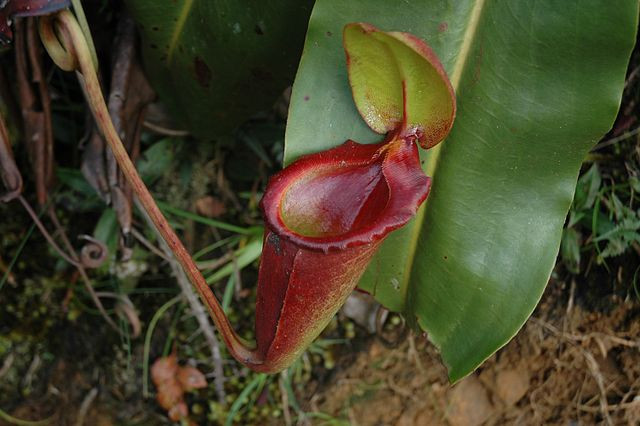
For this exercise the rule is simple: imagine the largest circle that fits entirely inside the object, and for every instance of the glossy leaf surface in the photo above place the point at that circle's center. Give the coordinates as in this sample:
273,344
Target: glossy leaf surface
217,62
537,84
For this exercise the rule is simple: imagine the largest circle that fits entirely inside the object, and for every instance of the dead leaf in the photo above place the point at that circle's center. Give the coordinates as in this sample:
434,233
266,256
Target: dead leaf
191,378
172,381
211,207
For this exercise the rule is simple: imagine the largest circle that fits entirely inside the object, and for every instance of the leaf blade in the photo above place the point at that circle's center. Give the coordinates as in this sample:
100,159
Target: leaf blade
215,63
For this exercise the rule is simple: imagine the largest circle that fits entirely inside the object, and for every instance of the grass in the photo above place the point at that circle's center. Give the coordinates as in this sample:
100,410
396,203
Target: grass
166,208
16,255
19,422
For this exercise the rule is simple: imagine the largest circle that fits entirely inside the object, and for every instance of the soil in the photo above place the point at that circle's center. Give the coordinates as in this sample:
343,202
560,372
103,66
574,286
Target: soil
568,365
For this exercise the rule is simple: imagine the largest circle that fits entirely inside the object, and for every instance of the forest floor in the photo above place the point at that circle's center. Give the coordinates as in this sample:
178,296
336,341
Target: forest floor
572,363
567,365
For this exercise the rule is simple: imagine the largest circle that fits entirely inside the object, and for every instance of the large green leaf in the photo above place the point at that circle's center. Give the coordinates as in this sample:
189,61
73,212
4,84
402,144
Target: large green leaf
216,62
538,83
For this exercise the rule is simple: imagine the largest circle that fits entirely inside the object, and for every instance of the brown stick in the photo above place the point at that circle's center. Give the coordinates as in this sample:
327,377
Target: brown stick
75,52
9,173
45,143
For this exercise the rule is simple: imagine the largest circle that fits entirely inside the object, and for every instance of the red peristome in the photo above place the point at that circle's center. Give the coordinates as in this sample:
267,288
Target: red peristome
351,197
375,208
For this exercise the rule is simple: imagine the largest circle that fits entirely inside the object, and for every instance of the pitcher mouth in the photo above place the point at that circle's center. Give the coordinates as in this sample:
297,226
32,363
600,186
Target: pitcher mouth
348,196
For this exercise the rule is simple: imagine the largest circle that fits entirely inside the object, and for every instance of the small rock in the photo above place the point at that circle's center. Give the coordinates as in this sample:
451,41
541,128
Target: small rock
512,385
362,309
469,403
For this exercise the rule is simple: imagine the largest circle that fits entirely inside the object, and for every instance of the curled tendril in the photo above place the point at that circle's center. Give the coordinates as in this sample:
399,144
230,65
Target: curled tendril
58,44
93,253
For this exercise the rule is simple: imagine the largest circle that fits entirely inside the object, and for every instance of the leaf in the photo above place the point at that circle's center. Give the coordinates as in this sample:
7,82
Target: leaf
106,231
587,189
398,84
570,249
537,85
375,79
634,182
157,159
217,62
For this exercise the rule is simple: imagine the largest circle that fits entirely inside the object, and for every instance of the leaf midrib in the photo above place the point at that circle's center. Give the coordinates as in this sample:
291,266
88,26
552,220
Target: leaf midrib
179,28
432,161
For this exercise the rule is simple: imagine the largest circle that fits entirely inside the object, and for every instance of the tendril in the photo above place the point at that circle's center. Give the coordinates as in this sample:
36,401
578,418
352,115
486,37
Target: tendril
67,46
93,253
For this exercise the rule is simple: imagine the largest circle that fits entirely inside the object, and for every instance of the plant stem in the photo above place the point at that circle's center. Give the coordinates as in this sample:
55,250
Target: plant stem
74,54
84,25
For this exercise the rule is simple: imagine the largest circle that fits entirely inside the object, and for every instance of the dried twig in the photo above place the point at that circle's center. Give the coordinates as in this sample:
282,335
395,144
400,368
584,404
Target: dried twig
9,173
165,131
153,249
594,368
6,364
86,404
4,270
36,111
44,139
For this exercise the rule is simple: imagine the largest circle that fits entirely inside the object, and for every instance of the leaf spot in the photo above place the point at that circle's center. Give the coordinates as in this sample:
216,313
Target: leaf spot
395,283
202,71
